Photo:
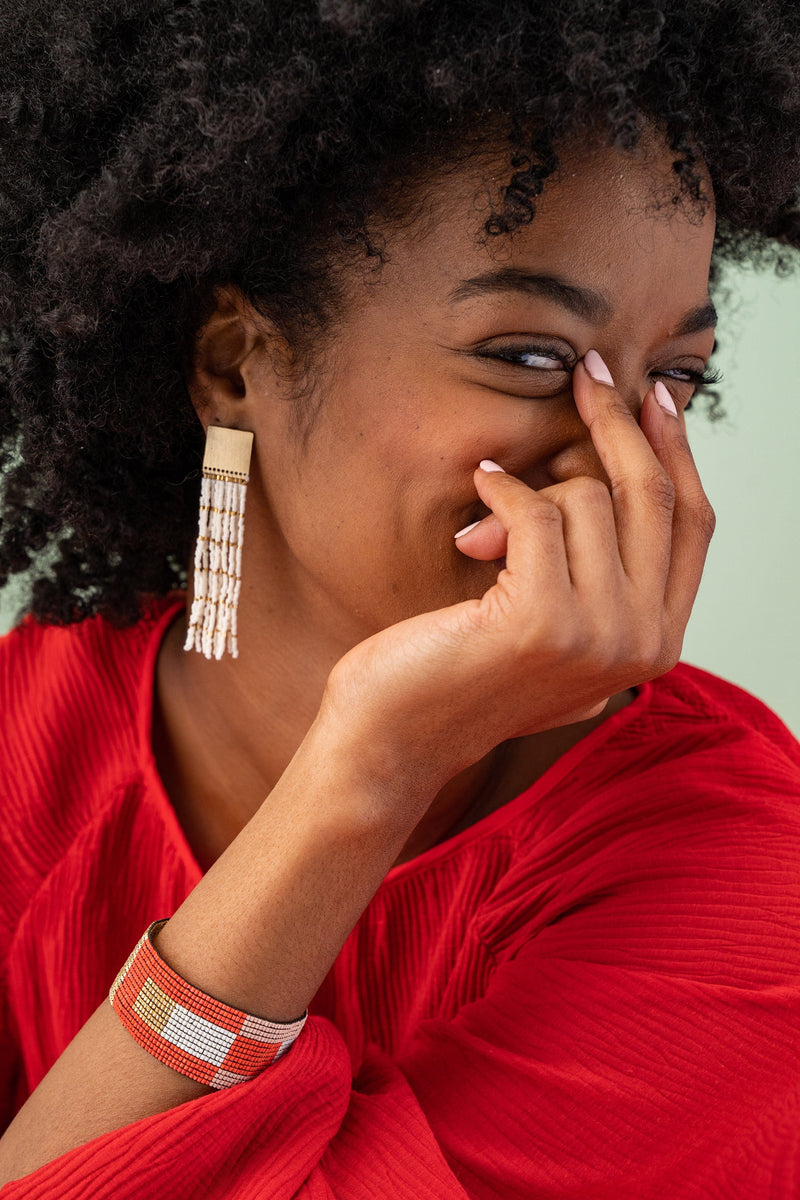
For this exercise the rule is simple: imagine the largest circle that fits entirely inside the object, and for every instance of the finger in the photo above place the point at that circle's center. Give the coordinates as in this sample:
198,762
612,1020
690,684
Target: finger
642,491
535,543
693,517
484,540
590,535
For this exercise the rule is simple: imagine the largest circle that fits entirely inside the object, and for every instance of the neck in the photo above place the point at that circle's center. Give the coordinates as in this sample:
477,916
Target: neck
225,730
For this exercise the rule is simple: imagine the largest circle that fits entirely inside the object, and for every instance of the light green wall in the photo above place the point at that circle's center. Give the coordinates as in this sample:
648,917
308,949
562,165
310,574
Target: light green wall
745,621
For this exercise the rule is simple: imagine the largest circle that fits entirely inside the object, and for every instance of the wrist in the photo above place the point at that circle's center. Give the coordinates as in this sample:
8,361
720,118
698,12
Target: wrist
262,928
374,782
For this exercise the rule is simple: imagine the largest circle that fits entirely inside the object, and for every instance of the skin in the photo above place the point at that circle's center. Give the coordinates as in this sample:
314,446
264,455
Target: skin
382,662
404,412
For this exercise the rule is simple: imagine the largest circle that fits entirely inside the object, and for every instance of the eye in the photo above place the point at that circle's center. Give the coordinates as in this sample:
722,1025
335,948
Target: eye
535,358
697,379
524,366
685,378
530,357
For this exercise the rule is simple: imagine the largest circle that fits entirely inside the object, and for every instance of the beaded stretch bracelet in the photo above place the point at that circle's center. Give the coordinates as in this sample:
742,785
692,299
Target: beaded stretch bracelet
189,1031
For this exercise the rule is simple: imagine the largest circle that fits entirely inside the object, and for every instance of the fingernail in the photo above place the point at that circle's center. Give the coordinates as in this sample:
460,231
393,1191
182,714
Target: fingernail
664,399
486,464
466,529
597,368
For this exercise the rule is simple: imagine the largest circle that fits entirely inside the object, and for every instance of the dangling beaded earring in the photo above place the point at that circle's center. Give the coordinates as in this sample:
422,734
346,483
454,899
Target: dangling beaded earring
218,553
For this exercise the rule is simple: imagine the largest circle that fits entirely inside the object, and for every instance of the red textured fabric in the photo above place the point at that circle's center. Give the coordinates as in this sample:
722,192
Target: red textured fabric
594,992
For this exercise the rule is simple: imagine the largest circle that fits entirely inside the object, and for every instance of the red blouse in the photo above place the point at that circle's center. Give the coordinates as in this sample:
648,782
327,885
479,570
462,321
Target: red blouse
594,992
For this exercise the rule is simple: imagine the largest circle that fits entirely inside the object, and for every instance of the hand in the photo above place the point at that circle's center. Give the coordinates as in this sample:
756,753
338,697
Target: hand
595,597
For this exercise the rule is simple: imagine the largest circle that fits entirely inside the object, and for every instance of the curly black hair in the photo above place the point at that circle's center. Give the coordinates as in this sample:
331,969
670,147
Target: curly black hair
155,149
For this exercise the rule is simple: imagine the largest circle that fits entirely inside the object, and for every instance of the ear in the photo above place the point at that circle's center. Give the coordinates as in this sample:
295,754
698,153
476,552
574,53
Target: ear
229,355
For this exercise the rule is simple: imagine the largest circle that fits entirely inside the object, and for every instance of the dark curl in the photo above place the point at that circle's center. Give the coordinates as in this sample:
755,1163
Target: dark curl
153,149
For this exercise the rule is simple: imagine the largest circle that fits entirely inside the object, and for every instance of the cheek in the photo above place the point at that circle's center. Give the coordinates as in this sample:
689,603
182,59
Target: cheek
394,471
370,505
373,446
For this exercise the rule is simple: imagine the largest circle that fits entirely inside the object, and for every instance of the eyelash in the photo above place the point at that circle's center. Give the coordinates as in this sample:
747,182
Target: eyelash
698,379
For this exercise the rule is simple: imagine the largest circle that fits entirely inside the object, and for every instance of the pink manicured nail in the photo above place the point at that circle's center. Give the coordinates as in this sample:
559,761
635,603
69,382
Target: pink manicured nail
664,399
597,368
486,464
466,529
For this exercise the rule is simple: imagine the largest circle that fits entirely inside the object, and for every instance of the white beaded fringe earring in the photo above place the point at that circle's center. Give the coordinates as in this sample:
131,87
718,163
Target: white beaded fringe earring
218,553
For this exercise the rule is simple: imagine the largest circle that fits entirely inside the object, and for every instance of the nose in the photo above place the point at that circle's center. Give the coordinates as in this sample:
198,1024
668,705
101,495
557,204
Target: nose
625,370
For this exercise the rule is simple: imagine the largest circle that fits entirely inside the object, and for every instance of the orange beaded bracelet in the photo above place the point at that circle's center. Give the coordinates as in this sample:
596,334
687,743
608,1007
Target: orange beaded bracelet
189,1031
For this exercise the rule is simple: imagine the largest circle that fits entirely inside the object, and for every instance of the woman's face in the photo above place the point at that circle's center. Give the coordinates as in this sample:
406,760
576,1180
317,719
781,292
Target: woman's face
460,348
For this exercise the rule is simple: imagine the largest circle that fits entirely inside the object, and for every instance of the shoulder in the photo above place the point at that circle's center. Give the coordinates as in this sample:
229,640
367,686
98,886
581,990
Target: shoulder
715,700
70,688
725,729
683,814
69,707
688,739
706,754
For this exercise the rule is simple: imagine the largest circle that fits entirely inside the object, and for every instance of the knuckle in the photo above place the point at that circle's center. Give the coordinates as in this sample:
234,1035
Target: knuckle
664,663
680,441
654,484
645,650
661,489
670,658
588,490
546,513
614,409
563,645
706,518
603,658
671,651
557,640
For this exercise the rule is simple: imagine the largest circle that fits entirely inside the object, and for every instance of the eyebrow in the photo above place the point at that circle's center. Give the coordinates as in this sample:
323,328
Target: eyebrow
583,302
697,319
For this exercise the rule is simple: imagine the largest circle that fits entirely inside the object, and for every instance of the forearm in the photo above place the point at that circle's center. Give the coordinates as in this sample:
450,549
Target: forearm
260,932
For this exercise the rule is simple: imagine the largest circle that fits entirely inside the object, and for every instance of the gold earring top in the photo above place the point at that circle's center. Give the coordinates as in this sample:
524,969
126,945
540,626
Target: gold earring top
228,453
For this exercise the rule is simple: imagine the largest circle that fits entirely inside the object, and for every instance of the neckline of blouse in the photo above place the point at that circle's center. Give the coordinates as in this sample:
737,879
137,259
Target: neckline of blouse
485,826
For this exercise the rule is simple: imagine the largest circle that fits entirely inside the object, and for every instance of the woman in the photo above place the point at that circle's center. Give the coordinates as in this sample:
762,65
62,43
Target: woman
421,762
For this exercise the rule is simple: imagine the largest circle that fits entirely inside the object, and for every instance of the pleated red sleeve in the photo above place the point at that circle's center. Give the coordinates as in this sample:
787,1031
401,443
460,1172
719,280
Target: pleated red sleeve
593,993
607,1080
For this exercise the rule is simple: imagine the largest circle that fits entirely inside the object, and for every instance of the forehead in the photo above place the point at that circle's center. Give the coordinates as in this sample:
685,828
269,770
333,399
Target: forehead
608,220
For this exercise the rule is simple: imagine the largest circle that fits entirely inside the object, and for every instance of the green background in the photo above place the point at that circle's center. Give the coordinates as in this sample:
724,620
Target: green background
745,621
